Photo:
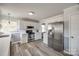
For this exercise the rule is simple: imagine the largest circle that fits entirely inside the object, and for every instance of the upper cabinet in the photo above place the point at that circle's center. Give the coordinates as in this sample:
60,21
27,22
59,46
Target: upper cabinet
24,24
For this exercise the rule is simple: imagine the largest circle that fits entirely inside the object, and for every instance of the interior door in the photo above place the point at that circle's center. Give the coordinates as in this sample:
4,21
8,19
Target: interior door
74,34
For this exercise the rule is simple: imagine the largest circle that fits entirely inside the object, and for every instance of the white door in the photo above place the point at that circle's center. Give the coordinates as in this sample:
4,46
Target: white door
74,34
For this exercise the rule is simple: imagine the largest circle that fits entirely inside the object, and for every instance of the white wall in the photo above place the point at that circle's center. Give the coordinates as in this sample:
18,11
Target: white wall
0,18
50,20
56,18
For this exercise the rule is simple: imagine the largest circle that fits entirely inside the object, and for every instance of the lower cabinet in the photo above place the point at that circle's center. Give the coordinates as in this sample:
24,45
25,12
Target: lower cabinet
4,46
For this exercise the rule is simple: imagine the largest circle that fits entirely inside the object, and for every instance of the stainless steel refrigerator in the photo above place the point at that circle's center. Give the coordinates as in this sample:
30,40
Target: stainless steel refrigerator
56,36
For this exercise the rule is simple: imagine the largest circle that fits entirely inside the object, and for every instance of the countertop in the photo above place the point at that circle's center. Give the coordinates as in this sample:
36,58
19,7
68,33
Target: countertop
3,35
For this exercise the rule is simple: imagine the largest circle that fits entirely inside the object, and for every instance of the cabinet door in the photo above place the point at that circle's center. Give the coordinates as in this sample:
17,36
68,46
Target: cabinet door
74,34
24,38
4,46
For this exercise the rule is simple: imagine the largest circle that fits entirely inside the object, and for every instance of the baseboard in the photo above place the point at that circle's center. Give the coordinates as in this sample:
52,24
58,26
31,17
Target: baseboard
67,52
16,42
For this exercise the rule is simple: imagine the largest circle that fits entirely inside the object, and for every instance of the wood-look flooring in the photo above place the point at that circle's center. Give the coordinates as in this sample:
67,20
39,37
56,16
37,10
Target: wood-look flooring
36,48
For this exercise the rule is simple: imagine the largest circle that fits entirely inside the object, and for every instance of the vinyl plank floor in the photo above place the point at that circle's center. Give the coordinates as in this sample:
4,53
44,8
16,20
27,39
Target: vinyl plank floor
36,48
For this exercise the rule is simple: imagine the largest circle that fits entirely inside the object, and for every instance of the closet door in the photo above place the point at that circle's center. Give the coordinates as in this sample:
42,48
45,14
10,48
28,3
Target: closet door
74,34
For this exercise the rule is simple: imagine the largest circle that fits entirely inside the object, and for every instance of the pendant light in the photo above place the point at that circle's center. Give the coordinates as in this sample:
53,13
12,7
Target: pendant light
9,18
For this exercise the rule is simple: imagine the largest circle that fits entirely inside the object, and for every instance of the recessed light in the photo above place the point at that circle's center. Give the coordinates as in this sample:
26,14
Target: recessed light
31,13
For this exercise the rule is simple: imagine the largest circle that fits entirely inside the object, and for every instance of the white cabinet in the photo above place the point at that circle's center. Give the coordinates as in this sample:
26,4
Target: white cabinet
15,37
24,38
4,46
71,30
24,24
19,37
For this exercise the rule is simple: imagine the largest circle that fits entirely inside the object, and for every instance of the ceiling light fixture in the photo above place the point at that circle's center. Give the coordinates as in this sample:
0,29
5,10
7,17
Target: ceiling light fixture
31,13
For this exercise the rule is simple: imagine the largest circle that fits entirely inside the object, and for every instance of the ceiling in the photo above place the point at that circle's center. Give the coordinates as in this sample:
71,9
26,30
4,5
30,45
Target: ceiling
41,10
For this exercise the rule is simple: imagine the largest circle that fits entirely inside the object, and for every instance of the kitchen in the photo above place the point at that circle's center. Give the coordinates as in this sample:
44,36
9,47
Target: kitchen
55,30
15,31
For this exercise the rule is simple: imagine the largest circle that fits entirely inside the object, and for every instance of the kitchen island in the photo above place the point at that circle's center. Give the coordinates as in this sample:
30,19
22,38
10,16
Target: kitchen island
4,44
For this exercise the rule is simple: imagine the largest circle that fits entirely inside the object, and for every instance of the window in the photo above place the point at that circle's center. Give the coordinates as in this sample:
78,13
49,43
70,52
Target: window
8,27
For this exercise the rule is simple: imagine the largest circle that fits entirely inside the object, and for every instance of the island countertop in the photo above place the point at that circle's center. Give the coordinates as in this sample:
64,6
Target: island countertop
4,35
